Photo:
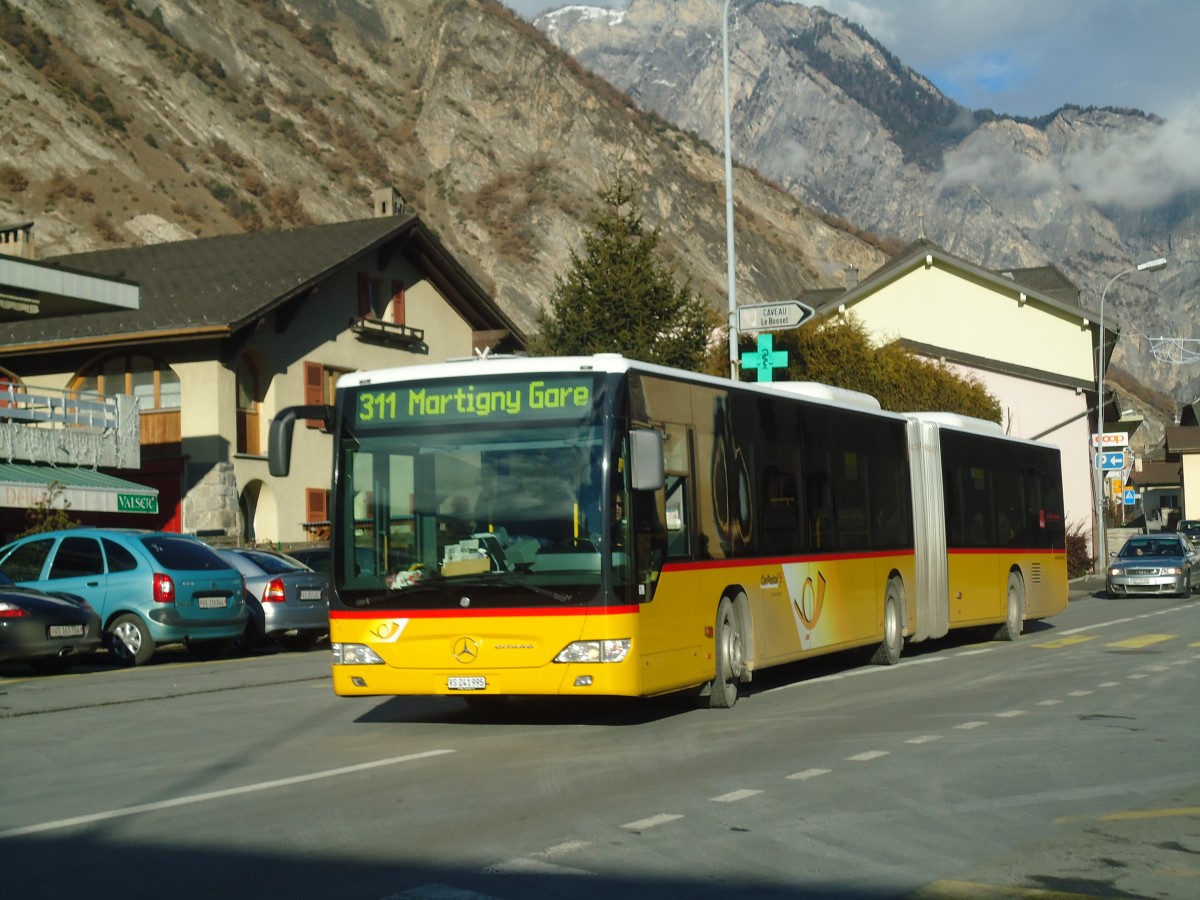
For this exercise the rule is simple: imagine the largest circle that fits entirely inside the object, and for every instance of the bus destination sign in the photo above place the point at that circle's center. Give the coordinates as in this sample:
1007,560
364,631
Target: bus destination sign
508,399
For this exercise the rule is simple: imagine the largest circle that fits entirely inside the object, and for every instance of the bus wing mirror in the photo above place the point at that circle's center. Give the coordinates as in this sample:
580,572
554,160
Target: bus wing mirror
647,469
279,441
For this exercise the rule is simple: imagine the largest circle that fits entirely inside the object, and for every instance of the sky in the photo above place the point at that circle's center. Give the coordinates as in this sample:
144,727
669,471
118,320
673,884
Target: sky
1029,57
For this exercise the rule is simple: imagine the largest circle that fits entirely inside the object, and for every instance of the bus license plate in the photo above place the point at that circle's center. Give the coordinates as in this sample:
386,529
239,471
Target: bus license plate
466,683
66,631
212,602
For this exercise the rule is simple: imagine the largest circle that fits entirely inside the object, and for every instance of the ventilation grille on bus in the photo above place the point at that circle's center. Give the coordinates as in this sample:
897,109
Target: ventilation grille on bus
1036,573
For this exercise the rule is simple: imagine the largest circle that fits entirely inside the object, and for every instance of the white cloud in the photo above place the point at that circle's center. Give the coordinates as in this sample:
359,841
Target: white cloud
1144,169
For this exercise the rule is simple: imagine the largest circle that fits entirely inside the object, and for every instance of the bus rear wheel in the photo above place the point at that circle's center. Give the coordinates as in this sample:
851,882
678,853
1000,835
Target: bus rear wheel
723,692
1014,608
889,649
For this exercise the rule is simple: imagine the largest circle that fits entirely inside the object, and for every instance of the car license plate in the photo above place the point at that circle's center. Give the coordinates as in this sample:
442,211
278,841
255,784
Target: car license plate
466,683
1142,581
61,631
212,603
310,595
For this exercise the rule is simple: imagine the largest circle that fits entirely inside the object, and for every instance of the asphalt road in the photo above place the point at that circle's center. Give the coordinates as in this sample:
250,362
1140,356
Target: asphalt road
1062,765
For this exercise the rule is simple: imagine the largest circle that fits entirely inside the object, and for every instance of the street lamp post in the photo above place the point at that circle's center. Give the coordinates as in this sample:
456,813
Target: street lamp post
1152,265
730,263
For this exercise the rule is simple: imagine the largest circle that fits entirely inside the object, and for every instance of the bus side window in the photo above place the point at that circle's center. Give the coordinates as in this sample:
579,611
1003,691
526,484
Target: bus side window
676,516
649,540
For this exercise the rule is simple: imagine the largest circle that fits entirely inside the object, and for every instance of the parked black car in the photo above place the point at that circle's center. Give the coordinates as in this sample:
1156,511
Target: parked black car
47,631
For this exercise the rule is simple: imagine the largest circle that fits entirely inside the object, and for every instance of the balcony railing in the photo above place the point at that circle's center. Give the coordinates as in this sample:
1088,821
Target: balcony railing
68,427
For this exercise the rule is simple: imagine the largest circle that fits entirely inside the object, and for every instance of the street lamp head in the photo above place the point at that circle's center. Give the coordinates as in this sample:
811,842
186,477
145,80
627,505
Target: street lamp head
1152,265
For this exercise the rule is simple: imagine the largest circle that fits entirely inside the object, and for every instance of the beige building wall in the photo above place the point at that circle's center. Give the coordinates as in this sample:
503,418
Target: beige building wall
944,308
1191,485
317,334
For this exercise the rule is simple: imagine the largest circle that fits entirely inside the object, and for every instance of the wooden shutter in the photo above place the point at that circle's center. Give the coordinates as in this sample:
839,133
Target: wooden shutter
314,389
364,295
398,302
316,505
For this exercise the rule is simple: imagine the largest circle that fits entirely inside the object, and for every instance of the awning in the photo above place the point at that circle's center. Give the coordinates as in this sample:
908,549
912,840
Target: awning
22,485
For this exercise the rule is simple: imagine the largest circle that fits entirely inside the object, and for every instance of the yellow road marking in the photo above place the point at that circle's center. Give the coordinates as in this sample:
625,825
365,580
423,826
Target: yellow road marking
1144,640
1152,813
1066,642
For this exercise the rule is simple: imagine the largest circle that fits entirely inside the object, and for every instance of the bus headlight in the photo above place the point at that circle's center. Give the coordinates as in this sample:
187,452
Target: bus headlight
355,655
611,651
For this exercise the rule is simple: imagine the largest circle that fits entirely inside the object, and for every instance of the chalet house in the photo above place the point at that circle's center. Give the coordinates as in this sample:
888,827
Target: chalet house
1022,333
231,329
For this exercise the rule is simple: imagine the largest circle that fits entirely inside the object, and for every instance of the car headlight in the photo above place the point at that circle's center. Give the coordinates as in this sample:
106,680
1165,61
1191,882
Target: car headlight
610,651
1172,570
355,655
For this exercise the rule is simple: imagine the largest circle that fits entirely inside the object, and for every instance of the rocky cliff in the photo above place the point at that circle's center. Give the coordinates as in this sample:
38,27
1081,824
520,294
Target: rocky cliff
132,121
825,111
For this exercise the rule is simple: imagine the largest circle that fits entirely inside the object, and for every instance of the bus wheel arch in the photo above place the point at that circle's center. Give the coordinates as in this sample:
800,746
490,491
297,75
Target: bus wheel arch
887,653
1014,607
729,652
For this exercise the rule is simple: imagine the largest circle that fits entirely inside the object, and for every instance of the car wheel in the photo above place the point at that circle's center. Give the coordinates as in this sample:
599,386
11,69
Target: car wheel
249,640
301,640
129,640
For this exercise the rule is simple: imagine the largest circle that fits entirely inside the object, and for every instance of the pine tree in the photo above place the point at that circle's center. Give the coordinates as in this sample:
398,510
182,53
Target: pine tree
617,297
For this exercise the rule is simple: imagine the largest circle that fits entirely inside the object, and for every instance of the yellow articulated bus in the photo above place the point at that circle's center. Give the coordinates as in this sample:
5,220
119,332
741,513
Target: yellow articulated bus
598,526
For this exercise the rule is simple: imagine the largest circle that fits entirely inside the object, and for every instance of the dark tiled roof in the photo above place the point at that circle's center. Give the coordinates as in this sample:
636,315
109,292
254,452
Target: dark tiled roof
1045,280
1183,438
220,284
1156,473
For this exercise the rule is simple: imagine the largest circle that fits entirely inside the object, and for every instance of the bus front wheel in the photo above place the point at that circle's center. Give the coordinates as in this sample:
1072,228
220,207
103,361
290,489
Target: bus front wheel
723,692
889,649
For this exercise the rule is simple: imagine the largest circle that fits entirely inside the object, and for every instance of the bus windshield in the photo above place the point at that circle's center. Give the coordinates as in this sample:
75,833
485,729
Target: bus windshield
508,506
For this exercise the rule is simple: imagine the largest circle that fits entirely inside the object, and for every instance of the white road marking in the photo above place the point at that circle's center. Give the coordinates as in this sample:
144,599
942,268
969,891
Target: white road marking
525,866
868,755
561,849
924,739
735,796
216,795
1049,702
967,726
807,774
652,822
1010,714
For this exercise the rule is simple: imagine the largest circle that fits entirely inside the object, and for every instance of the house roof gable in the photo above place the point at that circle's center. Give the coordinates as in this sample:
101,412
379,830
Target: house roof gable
215,286
1045,284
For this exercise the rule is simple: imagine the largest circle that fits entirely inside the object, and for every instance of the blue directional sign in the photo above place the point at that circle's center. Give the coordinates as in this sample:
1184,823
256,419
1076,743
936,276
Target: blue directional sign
1114,459
1130,497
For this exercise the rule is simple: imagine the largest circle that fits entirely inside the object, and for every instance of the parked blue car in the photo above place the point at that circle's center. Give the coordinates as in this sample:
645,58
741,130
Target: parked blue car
149,588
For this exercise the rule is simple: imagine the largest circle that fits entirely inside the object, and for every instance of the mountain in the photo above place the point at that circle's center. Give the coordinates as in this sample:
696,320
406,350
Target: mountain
136,121
822,109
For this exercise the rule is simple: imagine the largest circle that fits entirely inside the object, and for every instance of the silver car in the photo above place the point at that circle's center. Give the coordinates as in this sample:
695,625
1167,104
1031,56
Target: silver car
288,602
1154,564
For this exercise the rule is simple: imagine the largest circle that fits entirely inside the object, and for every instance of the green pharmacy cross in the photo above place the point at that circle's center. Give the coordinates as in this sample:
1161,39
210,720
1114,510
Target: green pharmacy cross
765,359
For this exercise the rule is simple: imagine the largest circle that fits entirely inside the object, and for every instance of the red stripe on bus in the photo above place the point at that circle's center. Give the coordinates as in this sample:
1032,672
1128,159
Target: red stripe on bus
1002,551
468,612
782,560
